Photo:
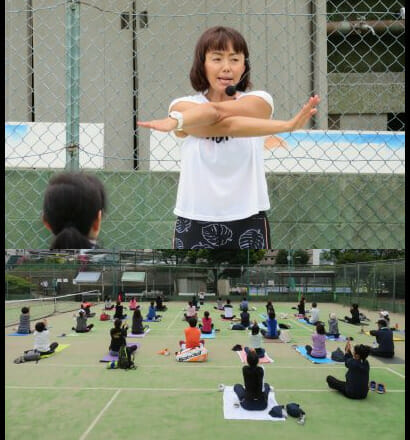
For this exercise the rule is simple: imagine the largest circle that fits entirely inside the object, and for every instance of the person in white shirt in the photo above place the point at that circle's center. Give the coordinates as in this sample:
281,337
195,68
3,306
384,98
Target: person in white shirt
314,315
190,312
42,339
222,192
228,310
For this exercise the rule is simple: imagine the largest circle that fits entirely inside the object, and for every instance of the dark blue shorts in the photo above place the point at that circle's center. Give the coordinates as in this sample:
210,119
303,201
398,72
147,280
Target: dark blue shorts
249,233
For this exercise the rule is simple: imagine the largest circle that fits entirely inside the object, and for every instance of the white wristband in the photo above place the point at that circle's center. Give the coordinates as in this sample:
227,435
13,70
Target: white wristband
179,118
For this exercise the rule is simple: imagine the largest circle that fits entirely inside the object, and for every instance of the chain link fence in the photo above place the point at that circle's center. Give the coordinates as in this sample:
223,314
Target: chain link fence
374,285
79,74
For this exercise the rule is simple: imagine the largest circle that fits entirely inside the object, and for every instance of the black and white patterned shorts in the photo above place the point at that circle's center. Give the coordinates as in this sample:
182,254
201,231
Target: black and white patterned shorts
249,233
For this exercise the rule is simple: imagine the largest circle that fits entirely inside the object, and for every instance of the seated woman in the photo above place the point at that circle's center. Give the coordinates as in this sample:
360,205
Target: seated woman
255,341
118,338
271,323
357,376
152,313
42,338
133,304
190,312
219,304
244,304
108,305
119,311
228,310
245,321
333,326
159,305
207,325
384,339
269,307
301,306
82,326
319,343
254,396
137,326
355,319
86,306
192,336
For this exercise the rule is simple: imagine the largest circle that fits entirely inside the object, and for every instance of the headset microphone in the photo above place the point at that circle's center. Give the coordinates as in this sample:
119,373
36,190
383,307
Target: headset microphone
231,90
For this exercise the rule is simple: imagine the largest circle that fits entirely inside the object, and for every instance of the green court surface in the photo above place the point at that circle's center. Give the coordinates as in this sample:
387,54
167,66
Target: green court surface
71,395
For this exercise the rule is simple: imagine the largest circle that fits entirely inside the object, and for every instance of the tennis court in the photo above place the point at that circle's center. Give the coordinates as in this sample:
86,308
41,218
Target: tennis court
71,395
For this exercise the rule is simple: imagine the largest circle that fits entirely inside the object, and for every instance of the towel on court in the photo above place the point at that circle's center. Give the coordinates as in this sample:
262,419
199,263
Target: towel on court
131,335
19,334
341,338
230,412
265,360
60,347
109,358
395,338
327,360
208,335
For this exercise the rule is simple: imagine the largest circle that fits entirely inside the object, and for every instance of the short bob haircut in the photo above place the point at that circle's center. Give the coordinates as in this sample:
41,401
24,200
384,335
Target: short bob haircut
218,38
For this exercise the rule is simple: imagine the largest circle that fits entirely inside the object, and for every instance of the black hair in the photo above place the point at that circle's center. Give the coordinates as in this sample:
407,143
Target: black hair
252,358
152,303
117,323
272,314
355,306
137,314
228,301
245,309
71,204
25,310
320,329
382,322
362,350
190,303
192,322
314,304
255,329
206,314
40,326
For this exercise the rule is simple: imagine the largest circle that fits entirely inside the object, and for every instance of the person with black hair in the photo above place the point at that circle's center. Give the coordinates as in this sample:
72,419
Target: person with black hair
207,324
82,326
254,395
269,307
314,314
219,304
301,306
42,339
255,341
24,324
137,326
192,336
354,311
72,210
159,305
271,323
228,310
245,321
222,193
319,343
384,338
119,311
357,375
118,339
195,302
244,304
108,305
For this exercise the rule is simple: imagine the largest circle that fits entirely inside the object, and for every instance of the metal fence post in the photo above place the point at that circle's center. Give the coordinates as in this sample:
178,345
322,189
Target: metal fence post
72,85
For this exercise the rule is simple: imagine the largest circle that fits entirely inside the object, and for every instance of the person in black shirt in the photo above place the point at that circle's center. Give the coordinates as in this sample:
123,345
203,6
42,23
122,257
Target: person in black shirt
254,396
355,319
245,323
118,338
119,311
159,304
357,376
384,337
137,327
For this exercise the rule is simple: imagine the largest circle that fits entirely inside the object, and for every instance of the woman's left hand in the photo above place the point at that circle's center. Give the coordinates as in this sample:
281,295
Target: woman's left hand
166,124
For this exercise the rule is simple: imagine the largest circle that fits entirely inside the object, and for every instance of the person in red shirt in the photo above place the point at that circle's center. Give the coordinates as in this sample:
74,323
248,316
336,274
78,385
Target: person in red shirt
207,325
192,336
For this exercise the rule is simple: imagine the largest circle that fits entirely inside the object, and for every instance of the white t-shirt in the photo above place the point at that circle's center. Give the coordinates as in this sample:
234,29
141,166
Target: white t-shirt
314,312
222,179
228,311
42,340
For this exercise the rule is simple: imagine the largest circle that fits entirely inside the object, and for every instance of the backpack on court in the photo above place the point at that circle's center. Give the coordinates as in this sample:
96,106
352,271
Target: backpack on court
197,354
125,359
104,317
28,356
338,355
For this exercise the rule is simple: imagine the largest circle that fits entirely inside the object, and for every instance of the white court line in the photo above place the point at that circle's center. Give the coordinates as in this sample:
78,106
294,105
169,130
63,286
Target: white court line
395,372
305,326
164,390
99,415
172,322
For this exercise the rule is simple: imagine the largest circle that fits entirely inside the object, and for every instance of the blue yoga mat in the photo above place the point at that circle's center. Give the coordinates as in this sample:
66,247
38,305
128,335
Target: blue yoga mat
341,338
208,335
19,334
305,322
302,350
150,320
263,316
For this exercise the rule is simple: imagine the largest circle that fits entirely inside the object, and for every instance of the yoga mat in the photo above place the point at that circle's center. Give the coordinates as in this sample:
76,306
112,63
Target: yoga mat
347,322
265,360
232,413
208,335
19,334
131,335
60,347
231,320
109,358
305,322
395,338
302,350
151,320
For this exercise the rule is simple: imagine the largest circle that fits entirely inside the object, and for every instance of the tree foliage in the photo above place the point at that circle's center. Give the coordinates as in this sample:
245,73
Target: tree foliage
343,256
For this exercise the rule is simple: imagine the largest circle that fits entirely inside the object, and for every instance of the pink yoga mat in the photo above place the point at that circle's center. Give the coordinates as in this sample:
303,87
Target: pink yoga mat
265,360
109,358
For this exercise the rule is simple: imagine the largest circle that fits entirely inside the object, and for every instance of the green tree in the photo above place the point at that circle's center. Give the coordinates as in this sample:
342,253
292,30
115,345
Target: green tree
282,256
342,256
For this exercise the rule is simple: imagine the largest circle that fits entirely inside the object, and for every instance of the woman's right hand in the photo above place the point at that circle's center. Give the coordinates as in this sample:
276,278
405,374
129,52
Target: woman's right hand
307,111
